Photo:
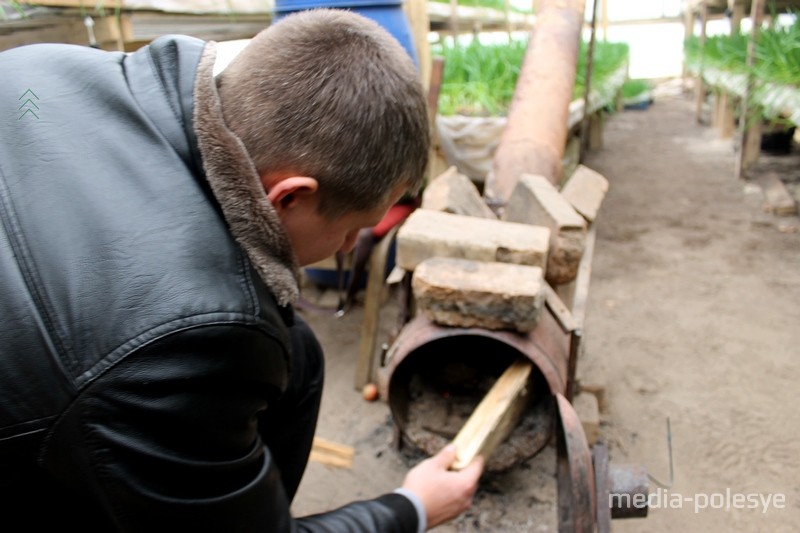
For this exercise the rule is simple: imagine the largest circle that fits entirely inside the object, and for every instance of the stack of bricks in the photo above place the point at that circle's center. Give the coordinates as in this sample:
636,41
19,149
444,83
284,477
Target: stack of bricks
472,269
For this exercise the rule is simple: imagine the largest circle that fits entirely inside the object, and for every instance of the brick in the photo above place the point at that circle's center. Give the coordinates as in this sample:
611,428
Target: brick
428,233
464,293
536,201
452,192
588,412
585,191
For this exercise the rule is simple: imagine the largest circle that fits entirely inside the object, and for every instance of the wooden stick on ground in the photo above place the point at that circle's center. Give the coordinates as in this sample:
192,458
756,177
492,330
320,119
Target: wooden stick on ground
331,454
495,417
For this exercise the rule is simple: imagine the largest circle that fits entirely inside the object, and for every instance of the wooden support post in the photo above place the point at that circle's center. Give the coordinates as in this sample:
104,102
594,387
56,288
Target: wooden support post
372,309
596,130
495,417
726,118
736,19
605,19
750,121
436,160
507,11
688,30
700,89
417,13
715,109
454,20
587,84
110,31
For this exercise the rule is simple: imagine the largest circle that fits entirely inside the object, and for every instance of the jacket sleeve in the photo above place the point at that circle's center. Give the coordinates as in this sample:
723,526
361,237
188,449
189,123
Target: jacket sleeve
167,438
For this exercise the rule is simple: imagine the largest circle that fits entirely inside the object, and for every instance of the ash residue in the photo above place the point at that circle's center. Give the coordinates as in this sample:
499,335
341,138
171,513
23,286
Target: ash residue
439,408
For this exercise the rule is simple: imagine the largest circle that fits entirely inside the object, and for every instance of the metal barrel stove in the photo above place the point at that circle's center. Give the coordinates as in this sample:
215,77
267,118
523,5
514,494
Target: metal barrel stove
434,376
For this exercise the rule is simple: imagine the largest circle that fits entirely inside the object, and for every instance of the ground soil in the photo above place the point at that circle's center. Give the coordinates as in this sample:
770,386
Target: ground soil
692,316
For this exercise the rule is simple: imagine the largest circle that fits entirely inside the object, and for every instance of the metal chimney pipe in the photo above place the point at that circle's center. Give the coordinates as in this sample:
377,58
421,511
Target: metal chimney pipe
535,136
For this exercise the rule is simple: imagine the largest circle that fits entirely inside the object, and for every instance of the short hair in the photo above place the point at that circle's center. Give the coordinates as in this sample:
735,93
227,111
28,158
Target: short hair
332,95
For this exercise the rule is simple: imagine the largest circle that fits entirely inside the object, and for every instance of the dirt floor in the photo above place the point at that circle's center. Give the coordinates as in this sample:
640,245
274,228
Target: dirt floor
694,291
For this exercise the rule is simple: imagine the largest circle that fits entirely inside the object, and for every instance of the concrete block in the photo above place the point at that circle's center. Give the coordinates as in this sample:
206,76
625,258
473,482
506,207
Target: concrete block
588,412
585,191
427,234
464,293
536,201
455,193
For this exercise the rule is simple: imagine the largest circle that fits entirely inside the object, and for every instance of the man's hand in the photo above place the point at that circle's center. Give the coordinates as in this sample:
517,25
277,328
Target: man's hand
444,493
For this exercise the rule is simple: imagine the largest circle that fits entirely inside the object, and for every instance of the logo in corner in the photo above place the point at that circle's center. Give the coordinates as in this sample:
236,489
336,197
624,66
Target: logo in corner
28,105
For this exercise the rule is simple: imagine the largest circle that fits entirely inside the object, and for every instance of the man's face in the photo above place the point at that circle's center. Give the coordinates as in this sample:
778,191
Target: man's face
315,237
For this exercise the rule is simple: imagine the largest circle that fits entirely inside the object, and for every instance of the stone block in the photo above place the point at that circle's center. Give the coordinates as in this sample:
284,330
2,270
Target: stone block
464,293
596,389
536,201
777,198
427,234
452,192
585,191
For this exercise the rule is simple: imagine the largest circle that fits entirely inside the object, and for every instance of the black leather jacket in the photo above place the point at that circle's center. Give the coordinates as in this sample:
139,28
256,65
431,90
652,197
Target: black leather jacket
138,343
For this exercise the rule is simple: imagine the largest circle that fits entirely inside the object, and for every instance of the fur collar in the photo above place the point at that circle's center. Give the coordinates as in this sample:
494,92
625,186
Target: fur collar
237,187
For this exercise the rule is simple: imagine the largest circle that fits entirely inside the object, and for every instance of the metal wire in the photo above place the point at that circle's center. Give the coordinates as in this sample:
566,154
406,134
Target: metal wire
671,466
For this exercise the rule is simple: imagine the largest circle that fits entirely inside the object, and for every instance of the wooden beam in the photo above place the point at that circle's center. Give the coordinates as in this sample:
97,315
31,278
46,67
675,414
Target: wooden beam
495,417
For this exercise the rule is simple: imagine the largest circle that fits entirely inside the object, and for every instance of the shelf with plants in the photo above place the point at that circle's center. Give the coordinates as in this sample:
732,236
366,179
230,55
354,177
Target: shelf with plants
775,73
478,86
479,79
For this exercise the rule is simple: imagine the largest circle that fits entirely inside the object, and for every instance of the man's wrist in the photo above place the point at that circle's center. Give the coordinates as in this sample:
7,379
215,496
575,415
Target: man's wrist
422,518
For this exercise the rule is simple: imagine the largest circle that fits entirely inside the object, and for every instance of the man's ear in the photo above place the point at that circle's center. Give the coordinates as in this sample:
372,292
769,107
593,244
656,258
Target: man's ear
287,191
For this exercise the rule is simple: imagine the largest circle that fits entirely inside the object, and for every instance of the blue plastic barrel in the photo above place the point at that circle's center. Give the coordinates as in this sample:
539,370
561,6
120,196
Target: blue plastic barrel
387,13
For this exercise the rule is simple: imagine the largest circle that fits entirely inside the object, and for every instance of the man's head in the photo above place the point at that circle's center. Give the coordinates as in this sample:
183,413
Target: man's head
330,95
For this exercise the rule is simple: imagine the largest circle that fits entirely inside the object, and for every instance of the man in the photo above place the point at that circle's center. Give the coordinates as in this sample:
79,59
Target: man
152,373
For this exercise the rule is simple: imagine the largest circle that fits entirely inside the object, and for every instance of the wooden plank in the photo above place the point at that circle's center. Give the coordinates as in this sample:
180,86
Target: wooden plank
580,295
495,417
67,33
87,4
331,454
560,311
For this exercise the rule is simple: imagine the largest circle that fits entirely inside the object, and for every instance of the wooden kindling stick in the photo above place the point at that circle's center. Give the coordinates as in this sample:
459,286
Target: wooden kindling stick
495,417
331,454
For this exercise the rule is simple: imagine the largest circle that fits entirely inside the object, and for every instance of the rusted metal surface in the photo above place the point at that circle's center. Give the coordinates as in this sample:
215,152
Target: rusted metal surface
432,369
576,482
547,345
536,133
602,487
